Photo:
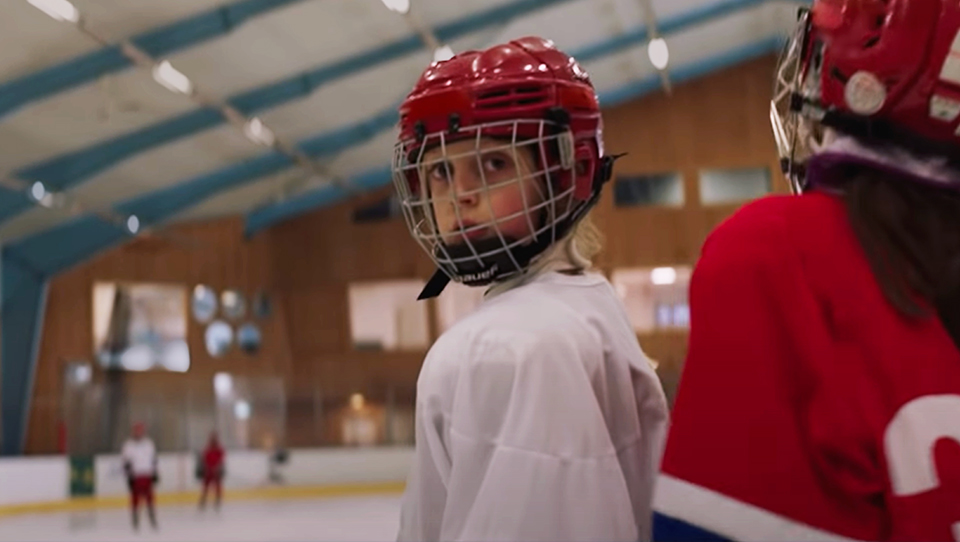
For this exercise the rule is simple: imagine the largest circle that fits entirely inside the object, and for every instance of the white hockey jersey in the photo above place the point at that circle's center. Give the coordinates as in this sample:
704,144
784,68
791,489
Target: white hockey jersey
538,418
141,455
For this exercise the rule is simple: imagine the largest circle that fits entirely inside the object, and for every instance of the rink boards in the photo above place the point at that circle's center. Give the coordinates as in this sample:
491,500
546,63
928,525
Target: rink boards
38,484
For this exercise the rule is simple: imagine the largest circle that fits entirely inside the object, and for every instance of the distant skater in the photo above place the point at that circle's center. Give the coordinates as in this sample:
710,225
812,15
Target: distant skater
140,464
213,459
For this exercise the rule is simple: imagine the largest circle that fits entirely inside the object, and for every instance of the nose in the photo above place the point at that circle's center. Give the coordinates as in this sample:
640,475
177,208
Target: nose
467,184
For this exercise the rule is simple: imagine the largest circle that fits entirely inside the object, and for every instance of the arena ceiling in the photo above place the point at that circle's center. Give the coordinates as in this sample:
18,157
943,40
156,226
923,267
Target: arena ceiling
290,104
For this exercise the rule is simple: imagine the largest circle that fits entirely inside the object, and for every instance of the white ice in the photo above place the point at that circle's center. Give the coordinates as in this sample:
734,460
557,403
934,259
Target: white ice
361,519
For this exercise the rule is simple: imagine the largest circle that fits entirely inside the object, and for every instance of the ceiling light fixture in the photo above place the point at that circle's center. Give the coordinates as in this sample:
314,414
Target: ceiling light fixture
60,10
172,78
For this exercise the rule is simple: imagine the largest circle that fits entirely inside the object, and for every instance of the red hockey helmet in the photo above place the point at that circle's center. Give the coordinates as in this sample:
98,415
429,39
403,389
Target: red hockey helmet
138,429
880,70
523,93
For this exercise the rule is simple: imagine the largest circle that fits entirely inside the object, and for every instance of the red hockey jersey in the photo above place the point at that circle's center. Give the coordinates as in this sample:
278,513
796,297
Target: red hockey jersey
809,408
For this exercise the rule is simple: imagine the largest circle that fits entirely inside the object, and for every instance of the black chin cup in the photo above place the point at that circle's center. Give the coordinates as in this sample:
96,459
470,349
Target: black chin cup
493,262
488,261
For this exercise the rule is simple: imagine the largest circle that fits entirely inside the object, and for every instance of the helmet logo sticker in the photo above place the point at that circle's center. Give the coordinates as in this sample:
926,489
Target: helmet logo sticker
951,65
943,108
565,145
864,93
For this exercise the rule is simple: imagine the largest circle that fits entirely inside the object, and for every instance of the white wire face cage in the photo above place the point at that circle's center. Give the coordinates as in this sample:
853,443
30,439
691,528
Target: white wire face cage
795,111
465,249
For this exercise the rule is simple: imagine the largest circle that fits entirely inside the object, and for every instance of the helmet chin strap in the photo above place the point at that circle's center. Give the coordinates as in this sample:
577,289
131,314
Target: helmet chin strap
498,265
495,264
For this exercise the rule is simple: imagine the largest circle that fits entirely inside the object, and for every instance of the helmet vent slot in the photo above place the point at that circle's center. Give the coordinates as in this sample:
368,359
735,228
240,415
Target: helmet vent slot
513,96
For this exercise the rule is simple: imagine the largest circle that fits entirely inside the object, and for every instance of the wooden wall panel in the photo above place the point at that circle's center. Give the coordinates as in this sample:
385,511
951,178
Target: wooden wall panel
212,253
717,122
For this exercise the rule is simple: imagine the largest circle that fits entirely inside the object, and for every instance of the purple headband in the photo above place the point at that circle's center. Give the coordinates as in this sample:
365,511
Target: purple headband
845,150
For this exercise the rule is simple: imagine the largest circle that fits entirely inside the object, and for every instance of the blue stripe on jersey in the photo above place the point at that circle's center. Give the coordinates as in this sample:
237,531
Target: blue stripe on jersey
668,529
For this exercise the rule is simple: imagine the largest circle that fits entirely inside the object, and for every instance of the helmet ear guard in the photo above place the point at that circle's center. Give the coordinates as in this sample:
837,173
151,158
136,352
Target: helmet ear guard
584,172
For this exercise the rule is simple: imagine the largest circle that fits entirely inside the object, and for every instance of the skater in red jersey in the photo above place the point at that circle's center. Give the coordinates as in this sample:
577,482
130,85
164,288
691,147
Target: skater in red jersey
821,395
213,471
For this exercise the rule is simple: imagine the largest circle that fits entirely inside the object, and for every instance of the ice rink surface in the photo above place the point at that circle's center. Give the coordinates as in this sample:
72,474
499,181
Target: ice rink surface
344,519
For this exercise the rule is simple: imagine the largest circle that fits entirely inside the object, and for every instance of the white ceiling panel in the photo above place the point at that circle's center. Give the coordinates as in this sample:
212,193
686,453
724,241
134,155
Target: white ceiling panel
347,101
31,40
120,19
378,152
720,35
35,220
240,200
569,25
170,165
280,45
113,106
358,97
435,12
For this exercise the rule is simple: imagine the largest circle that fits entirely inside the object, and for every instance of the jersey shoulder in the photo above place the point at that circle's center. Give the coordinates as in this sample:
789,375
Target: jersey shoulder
780,217
812,228
518,327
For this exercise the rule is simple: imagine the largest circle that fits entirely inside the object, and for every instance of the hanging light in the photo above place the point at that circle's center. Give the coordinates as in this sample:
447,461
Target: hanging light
663,276
59,10
241,410
659,53
399,6
38,191
171,78
442,53
222,384
259,133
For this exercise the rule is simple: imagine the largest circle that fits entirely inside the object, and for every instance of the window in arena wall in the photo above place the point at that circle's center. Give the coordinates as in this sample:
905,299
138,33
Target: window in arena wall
723,186
456,302
386,316
384,209
653,189
655,298
140,326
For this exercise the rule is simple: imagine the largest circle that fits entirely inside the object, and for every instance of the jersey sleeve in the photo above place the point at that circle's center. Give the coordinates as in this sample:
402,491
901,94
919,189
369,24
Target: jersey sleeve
423,504
527,456
755,450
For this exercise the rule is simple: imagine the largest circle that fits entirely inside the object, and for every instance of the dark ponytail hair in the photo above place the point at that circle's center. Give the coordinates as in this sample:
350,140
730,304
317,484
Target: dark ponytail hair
911,235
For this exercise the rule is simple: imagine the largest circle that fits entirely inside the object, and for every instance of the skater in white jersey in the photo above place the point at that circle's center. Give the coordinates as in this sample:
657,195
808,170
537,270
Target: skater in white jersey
139,457
538,416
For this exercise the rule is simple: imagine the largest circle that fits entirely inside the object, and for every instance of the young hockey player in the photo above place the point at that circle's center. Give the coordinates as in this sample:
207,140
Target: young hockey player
538,416
821,395
139,457
213,469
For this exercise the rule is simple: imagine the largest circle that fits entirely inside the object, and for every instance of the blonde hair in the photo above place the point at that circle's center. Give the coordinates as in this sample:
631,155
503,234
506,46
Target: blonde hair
585,243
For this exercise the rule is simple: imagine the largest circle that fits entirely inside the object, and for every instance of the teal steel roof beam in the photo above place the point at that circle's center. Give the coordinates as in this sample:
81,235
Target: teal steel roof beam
159,42
265,217
69,170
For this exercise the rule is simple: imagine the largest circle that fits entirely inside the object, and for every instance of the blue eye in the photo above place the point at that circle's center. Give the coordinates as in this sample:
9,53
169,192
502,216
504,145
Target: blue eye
495,163
442,171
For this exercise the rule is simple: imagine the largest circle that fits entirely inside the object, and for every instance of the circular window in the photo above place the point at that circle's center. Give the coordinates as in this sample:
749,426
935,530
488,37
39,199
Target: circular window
260,306
234,304
249,339
219,338
203,303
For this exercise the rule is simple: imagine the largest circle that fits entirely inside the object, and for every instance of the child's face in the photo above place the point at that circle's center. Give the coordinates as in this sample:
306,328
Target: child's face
477,189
